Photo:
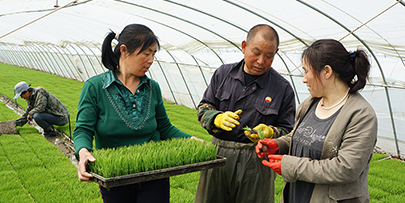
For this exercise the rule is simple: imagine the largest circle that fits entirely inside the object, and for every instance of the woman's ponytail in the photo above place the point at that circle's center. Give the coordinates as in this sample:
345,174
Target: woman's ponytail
108,57
133,36
352,68
361,67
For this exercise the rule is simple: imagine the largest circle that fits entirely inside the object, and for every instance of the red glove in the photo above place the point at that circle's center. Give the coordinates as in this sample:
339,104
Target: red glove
274,163
266,147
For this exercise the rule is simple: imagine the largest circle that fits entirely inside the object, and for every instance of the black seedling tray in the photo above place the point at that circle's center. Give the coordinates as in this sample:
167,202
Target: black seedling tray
156,174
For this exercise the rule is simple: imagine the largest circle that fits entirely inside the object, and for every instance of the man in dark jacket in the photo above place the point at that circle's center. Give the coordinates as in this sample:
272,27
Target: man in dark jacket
44,108
249,93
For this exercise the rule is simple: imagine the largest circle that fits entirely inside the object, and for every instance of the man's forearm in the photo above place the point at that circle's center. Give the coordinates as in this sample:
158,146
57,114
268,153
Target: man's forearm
206,114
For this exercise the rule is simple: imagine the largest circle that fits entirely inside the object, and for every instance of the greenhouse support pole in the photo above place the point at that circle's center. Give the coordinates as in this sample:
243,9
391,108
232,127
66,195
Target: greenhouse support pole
29,58
84,65
292,80
167,81
184,20
12,56
98,58
3,55
37,59
35,64
43,59
8,59
70,129
376,60
95,56
95,72
21,57
61,62
49,54
73,64
182,76
202,73
392,120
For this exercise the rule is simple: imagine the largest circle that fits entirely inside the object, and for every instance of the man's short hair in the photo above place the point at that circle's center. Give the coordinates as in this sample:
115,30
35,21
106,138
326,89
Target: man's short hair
267,32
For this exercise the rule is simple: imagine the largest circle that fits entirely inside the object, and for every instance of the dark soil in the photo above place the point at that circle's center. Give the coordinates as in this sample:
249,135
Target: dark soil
8,127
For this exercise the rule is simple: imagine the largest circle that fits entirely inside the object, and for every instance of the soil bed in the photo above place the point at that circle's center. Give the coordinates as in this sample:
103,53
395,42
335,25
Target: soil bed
8,127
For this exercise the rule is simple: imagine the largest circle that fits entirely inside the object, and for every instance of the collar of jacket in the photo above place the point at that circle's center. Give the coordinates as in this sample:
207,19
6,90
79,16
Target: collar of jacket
33,93
302,109
237,73
110,77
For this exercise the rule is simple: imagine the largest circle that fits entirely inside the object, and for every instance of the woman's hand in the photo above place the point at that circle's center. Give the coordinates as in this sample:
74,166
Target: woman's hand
274,163
85,157
266,147
195,138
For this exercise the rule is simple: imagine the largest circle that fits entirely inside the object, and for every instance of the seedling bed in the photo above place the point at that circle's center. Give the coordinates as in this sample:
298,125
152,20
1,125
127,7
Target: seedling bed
156,174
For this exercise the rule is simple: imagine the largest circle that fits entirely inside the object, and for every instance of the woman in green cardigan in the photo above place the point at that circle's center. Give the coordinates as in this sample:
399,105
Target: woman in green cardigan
123,107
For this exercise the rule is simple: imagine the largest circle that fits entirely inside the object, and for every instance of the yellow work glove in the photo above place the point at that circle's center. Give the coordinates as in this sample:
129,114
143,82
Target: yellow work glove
228,120
266,132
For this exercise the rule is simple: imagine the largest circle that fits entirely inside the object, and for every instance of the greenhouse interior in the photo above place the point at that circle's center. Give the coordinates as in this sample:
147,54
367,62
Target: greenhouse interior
196,37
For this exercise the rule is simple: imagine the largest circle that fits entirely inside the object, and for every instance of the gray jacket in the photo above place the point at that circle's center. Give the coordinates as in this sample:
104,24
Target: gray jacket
343,169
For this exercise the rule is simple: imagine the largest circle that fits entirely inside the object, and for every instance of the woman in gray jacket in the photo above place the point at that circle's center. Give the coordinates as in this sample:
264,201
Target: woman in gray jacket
326,157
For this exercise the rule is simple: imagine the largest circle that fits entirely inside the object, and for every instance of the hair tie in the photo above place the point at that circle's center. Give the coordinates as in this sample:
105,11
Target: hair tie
117,36
352,55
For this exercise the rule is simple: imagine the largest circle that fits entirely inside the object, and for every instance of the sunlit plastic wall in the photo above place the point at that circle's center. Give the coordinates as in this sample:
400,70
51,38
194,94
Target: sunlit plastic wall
183,78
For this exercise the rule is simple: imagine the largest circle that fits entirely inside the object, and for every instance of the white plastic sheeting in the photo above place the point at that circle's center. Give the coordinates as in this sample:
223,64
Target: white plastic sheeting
198,36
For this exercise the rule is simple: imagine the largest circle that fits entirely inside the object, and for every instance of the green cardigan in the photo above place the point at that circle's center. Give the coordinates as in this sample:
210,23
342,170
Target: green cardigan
108,111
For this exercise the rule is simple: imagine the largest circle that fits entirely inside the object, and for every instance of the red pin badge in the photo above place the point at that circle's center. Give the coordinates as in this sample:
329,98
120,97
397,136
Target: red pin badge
268,99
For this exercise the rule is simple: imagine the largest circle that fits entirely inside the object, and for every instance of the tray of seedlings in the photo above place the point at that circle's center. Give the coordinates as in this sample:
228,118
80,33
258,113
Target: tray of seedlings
151,161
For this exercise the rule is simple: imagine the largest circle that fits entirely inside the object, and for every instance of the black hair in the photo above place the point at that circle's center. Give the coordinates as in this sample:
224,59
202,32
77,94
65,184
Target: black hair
345,64
267,32
132,36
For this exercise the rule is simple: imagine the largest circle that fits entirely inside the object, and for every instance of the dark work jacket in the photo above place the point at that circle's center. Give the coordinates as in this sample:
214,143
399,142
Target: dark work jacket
269,99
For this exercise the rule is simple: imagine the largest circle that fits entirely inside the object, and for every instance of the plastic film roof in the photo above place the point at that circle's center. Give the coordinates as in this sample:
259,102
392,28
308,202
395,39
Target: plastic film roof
198,36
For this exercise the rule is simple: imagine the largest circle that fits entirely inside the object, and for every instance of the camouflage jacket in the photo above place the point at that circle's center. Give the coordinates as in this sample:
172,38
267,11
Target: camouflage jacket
41,101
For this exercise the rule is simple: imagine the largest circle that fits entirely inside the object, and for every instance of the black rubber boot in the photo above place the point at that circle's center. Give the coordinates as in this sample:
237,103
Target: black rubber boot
50,132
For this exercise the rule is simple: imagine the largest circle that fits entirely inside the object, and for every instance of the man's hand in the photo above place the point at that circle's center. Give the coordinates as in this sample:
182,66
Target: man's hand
29,118
274,163
85,157
266,147
227,120
266,132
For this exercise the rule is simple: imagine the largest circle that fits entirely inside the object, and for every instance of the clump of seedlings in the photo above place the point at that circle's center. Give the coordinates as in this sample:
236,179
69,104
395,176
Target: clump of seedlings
254,132
150,156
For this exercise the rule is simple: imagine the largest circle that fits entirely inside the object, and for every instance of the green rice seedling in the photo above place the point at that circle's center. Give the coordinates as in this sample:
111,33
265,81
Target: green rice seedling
253,131
150,156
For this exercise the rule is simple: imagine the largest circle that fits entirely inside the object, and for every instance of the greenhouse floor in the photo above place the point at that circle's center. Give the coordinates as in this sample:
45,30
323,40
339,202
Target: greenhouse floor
33,170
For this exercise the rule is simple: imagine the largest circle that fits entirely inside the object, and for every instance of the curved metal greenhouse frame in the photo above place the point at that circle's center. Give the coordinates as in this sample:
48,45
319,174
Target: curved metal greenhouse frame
198,36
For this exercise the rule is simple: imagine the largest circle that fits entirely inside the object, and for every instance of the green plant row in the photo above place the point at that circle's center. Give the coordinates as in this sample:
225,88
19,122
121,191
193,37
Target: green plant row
150,156
34,170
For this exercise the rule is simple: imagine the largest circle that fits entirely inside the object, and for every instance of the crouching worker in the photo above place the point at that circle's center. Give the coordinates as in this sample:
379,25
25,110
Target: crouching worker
43,107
